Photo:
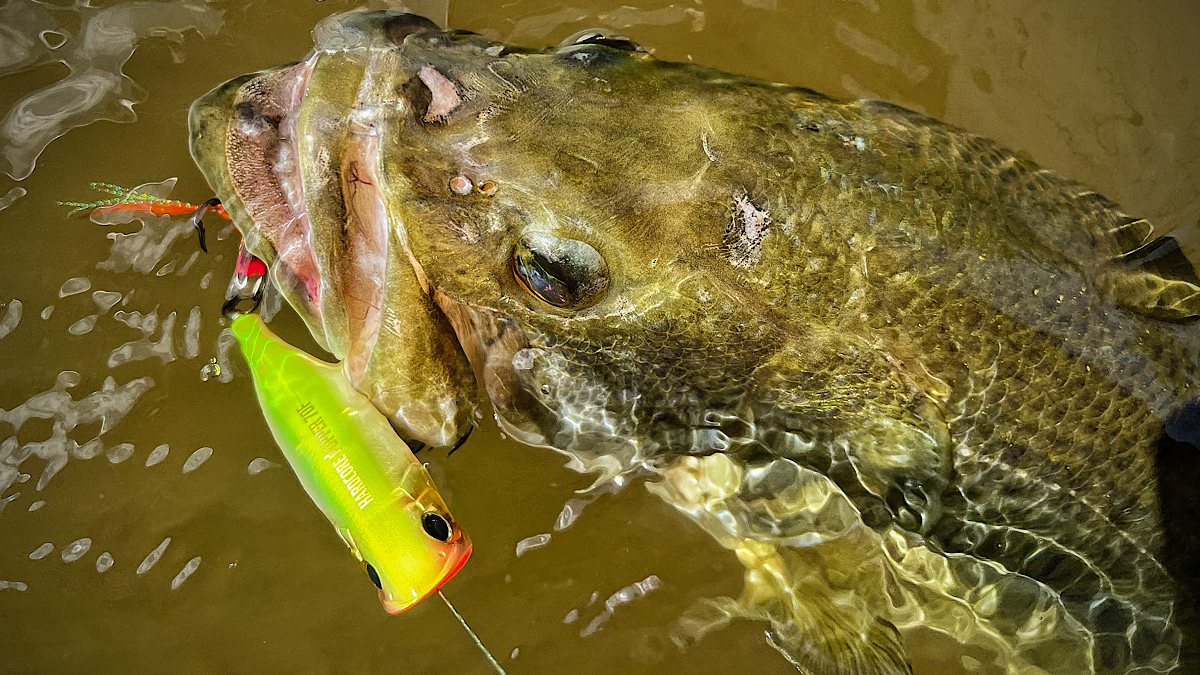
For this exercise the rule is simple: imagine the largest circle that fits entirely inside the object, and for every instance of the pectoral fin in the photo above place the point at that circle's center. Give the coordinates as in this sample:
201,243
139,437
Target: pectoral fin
813,572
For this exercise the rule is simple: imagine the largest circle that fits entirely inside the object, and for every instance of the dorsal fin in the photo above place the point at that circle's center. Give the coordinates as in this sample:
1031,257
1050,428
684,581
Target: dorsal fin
1131,233
1164,258
1159,281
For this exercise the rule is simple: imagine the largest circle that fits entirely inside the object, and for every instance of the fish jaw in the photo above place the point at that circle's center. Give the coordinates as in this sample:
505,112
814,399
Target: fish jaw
299,174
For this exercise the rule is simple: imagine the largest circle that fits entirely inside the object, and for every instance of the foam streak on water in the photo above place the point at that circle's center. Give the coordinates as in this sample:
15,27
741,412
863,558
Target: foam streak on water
621,597
145,348
186,572
108,406
10,197
12,316
152,557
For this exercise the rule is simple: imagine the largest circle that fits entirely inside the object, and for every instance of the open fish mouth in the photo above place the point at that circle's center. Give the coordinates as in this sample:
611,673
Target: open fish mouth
294,155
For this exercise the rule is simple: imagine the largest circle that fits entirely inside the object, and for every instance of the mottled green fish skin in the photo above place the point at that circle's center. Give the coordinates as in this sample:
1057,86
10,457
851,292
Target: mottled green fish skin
351,463
989,361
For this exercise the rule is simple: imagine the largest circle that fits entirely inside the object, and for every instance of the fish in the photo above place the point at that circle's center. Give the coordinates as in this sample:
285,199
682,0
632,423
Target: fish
910,378
376,493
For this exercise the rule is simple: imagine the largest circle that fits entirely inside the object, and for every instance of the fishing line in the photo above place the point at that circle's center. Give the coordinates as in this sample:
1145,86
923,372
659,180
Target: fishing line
479,643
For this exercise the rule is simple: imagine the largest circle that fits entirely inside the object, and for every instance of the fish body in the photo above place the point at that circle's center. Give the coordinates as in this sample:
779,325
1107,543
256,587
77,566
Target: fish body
843,335
365,480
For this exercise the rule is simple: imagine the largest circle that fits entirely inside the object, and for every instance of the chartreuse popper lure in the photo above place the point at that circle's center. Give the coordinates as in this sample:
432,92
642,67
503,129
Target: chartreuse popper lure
355,468
350,460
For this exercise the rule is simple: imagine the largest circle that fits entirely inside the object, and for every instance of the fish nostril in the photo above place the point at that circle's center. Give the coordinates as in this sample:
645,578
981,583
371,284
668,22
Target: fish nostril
461,185
252,121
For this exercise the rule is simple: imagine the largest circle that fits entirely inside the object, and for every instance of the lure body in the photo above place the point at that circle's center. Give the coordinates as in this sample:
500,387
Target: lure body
355,468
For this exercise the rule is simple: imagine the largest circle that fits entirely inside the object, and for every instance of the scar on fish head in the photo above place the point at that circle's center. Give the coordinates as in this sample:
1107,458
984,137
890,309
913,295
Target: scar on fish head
444,98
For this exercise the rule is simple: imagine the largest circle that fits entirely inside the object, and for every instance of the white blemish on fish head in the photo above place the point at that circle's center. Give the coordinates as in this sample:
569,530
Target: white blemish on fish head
444,94
748,227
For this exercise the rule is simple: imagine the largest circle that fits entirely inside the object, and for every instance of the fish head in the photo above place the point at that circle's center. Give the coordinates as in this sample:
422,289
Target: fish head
287,170
560,211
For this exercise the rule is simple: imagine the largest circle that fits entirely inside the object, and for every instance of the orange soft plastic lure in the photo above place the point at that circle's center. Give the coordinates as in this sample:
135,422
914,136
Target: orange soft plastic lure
125,199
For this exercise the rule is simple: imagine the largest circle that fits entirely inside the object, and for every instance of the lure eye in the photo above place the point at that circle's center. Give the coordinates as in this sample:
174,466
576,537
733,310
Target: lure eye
374,576
436,526
565,273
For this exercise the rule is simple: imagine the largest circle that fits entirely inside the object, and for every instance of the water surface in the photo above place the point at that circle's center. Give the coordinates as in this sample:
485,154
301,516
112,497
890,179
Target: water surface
148,520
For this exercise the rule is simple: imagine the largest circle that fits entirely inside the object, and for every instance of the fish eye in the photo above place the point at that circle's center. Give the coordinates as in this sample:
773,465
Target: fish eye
599,36
436,526
565,273
374,576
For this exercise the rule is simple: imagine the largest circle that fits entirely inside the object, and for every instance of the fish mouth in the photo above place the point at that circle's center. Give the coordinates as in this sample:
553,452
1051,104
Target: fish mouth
240,138
294,153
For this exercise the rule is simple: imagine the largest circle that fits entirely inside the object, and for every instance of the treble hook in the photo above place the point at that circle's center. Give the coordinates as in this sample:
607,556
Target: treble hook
199,224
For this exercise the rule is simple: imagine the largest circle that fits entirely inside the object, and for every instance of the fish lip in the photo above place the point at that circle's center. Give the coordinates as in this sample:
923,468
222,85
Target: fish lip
267,198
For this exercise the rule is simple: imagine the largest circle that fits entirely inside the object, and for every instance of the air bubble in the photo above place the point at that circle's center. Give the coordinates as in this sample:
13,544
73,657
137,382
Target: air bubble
198,457
11,318
11,196
73,286
120,452
536,541
84,325
153,556
259,465
52,39
210,370
41,551
75,550
157,455
105,300
185,572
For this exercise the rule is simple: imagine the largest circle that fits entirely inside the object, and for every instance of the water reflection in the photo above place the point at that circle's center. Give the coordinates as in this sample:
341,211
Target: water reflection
95,89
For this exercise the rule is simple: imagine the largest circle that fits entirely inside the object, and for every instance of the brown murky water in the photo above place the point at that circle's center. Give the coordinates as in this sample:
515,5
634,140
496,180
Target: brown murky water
1105,92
